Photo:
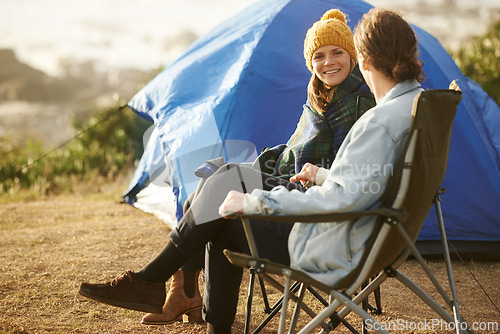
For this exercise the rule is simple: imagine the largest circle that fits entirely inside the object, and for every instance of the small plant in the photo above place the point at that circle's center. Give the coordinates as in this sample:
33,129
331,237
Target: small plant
479,59
108,143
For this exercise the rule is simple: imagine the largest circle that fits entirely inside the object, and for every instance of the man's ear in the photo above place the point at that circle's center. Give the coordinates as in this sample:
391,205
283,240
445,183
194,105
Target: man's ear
365,65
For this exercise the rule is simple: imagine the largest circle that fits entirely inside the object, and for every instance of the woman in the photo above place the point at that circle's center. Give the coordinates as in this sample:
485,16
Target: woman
387,52
336,95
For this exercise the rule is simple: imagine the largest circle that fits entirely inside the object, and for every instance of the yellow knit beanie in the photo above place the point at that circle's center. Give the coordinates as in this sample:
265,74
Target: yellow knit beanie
330,30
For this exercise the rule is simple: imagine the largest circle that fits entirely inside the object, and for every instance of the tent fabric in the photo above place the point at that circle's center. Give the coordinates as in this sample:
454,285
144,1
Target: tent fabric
241,88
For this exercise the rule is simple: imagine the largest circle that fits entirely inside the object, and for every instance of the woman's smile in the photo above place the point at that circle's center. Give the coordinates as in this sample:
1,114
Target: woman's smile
331,64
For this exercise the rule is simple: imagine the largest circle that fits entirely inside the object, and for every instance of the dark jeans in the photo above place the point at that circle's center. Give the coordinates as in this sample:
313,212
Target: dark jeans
202,227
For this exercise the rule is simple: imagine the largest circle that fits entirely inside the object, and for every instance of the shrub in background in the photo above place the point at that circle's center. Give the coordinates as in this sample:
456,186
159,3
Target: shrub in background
479,59
109,143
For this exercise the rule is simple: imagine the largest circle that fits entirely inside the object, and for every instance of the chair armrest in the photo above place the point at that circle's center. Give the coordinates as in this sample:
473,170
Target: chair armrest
317,218
331,217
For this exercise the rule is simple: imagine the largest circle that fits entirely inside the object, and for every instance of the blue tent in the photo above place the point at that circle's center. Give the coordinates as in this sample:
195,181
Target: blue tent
241,87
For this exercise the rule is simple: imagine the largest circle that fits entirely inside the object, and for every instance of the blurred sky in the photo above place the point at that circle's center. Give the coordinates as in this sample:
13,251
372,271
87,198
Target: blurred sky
123,33
146,34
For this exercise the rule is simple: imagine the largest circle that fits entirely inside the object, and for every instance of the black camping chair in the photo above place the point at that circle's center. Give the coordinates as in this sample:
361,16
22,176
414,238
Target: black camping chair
410,193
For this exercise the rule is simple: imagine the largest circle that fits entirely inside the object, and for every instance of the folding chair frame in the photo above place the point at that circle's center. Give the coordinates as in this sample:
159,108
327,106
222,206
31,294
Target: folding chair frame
273,310
349,305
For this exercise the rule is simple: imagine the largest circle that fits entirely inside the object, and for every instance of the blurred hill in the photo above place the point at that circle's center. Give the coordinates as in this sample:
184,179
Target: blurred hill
34,105
21,82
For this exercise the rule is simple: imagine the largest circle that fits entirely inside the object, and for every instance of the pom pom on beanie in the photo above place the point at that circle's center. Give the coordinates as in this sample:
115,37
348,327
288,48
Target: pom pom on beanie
330,30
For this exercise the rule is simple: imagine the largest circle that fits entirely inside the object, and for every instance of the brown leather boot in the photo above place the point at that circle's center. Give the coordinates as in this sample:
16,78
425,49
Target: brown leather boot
128,291
177,304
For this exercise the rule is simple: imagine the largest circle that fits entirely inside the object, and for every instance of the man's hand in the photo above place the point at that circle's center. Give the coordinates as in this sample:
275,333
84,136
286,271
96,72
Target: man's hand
308,173
232,204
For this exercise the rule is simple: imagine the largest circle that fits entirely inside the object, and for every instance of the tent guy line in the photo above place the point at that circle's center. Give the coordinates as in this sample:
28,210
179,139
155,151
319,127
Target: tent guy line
67,142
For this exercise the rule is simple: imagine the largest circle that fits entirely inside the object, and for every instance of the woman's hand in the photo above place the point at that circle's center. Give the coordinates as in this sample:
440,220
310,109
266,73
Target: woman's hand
232,204
308,173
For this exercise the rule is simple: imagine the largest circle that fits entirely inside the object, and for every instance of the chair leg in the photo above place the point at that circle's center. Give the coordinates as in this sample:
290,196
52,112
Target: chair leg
284,308
424,296
371,288
296,313
271,311
267,309
434,280
335,320
378,302
290,294
447,260
249,301
340,299
364,305
275,308
423,264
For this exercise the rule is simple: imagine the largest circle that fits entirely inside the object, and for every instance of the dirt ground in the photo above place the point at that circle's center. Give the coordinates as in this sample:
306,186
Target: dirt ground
48,247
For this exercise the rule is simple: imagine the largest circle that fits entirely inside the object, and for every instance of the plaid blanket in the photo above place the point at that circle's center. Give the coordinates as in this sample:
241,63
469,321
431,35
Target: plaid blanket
318,137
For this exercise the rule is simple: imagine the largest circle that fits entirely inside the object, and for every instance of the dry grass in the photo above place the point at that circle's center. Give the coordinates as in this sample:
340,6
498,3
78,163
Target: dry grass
49,246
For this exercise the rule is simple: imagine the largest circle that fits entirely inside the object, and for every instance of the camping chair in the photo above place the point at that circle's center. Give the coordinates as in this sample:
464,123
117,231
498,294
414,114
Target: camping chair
410,193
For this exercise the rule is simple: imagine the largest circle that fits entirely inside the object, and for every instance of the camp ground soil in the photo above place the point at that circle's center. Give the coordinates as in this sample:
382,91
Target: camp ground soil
49,246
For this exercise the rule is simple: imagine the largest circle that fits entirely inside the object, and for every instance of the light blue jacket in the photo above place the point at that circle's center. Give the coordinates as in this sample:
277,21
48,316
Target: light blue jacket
355,182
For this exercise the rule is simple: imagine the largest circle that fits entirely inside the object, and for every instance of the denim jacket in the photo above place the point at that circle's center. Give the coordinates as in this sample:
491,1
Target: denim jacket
355,182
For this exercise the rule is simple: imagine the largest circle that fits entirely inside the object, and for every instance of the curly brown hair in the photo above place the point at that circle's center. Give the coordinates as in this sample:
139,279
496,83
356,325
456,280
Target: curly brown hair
388,43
